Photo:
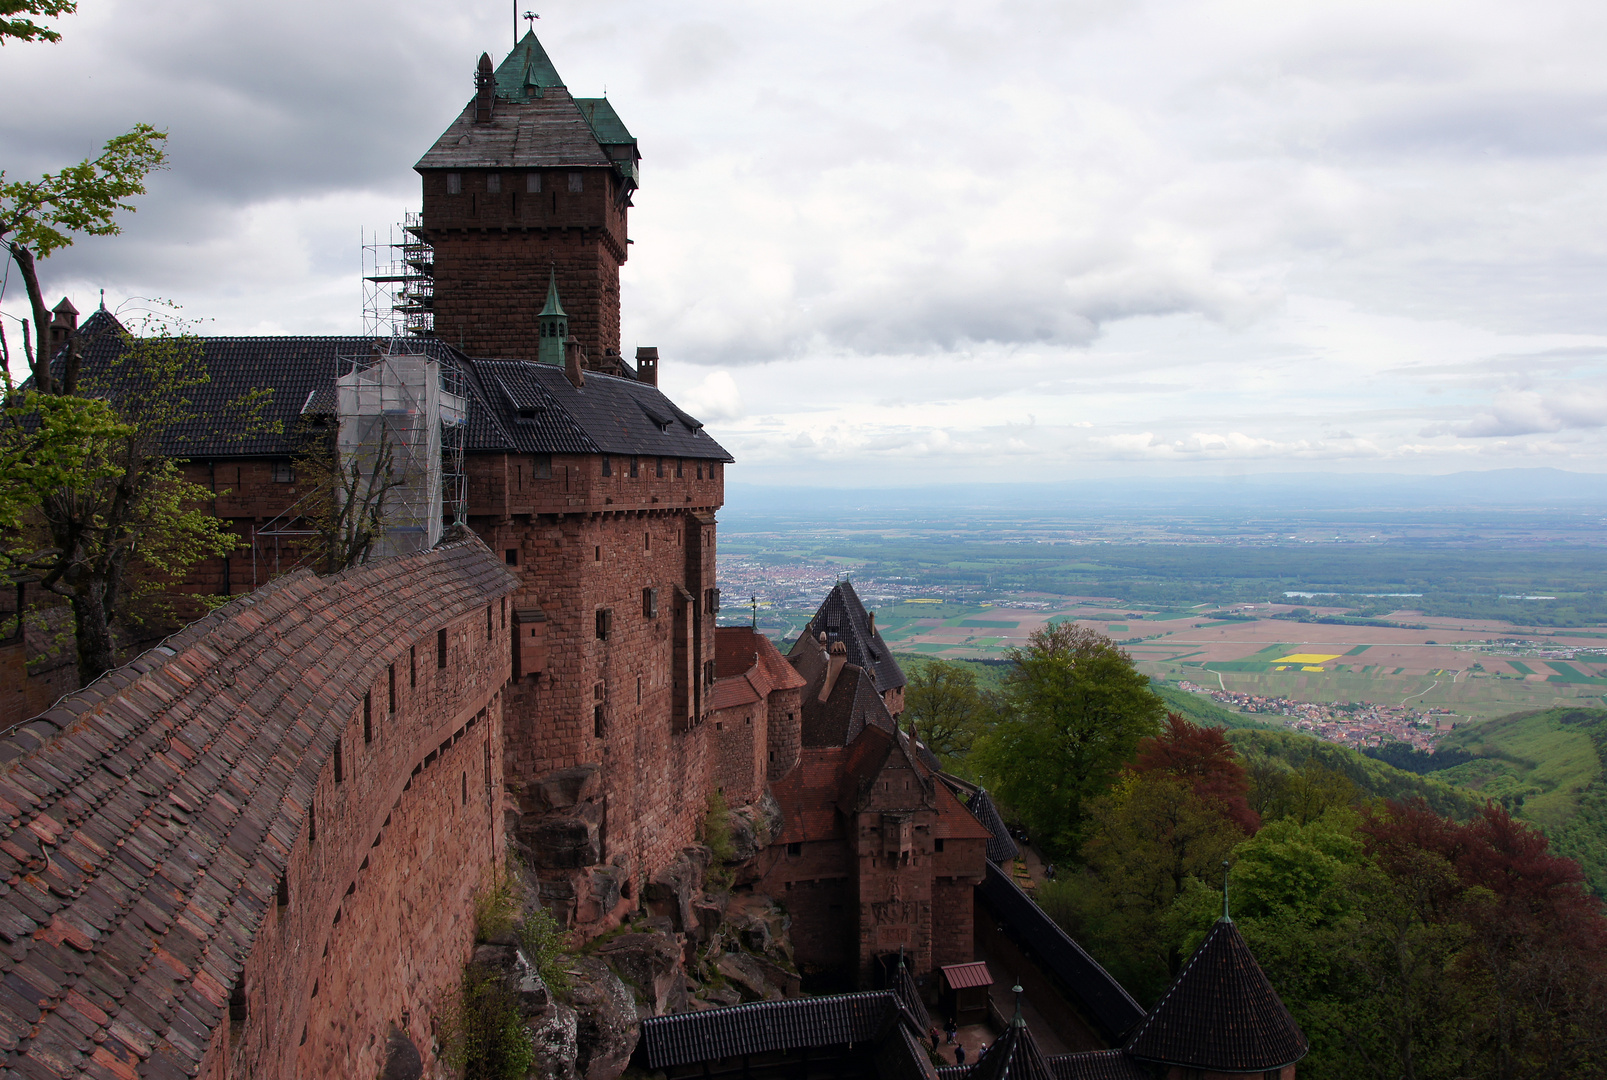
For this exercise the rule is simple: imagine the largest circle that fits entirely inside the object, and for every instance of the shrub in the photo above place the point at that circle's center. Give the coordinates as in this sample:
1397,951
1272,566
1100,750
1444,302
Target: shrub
717,835
542,940
483,1031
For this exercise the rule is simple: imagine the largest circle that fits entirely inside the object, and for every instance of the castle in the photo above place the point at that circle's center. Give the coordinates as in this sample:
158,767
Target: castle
253,851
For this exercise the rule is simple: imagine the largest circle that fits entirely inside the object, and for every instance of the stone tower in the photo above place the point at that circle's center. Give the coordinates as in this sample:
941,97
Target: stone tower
526,195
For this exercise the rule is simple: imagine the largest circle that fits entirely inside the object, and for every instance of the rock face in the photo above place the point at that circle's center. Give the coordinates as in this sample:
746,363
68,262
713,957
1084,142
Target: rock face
402,1059
651,963
606,1023
672,890
555,1037
753,827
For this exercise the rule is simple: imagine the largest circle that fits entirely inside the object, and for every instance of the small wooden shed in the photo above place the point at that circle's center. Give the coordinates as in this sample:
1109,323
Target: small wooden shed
965,992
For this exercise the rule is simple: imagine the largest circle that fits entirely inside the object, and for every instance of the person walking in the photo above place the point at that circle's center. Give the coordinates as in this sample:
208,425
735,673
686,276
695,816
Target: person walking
959,1054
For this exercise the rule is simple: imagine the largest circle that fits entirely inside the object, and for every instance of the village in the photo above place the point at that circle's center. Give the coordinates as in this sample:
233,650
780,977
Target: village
1354,724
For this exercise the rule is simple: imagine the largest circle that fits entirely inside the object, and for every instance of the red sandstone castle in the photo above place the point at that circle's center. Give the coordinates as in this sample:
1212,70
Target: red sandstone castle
252,852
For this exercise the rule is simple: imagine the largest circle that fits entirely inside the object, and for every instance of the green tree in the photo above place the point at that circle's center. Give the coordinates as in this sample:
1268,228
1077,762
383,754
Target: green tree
1073,712
106,518
946,705
14,21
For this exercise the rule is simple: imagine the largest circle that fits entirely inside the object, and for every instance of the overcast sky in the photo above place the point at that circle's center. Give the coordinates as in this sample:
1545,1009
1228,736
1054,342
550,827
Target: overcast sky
887,243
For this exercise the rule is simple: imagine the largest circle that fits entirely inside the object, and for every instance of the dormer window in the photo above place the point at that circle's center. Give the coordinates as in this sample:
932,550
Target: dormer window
493,183
533,183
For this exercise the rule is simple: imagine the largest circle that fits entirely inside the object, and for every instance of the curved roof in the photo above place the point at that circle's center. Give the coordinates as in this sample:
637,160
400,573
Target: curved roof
146,820
1220,1013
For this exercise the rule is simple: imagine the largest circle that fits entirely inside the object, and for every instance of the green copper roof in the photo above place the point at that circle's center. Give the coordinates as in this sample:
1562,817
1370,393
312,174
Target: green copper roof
553,306
605,122
527,71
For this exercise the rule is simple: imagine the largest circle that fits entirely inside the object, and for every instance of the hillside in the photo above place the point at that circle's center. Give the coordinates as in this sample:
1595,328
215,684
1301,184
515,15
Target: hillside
1291,750
1546,766
1202,710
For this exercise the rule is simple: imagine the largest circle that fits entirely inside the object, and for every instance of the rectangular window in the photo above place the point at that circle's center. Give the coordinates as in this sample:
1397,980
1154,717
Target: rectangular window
412,666
608,466
533,183
577,181
368,717
440,649
700,470
598,728
794,850
650,603
390,686
340,765
541,467
493,183
634,460
488,623
680,470
312,821
283,897
605,623
284,472
660,468
465,789
511,556
937,845
454,183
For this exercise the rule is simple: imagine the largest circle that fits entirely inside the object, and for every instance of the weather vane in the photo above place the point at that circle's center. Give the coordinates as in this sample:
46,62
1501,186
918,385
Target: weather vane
531,17
754,600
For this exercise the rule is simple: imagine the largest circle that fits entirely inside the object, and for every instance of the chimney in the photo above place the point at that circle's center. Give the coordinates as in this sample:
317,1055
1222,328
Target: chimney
647,365
63,324
834,668
485,90
575,362
873,624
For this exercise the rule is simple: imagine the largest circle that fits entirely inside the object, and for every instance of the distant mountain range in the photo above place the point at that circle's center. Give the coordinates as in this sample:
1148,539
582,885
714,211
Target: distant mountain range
1526,489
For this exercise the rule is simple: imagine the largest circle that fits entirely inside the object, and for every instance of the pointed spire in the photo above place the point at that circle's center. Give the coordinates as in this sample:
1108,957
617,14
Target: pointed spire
1225,916
1017,1020
554,307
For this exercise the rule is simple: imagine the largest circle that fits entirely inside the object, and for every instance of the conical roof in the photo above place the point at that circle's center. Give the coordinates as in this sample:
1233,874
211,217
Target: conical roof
1014,1055
1220,1013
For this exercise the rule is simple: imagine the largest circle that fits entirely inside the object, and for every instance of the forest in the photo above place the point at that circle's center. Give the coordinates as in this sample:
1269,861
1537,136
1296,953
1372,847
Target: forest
1412,928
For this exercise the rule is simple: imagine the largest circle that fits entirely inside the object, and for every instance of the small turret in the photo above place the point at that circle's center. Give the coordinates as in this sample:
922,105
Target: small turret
552,325
65,321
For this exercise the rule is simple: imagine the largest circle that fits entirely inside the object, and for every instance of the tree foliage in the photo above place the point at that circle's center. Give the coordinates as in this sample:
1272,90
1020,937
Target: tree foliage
15,21
947,706
1073,712
1203,758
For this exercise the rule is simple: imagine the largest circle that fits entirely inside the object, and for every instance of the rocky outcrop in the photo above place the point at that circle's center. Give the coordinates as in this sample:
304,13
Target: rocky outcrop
555,1036
672,890
402,1059
650,962
754,827
606,1022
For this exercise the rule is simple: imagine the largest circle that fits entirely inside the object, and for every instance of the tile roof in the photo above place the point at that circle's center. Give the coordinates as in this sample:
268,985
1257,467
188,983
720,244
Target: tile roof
748,668
145,821
766,1026
1097,1065
514,406
958,822
852,706
1002,847
808,796
842,617
909,997
963,976
1220,1013
1112,1009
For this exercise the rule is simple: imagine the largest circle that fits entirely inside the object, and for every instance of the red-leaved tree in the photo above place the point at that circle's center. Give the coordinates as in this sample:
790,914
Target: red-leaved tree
1202,757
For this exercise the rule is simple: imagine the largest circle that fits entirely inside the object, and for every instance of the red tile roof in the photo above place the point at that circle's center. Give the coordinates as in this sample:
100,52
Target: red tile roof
146,820
749,667
964,976
808,796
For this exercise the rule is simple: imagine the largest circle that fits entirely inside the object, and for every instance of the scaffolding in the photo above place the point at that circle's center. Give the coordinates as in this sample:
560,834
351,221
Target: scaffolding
399,281
399,401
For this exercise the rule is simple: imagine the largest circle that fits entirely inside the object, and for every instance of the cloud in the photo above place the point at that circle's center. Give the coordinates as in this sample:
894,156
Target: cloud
1527,412
714,399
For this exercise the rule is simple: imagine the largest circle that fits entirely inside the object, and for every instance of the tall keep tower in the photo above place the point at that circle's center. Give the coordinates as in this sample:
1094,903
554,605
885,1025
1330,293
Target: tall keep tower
528,182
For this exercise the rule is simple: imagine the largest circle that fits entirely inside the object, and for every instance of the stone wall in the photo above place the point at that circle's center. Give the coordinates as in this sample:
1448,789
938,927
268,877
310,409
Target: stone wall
219,850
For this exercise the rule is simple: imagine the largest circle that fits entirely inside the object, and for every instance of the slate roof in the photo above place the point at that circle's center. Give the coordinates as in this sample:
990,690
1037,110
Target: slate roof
514,406
1220,1013
1014,1055
766,1026
1111,1008
1097,1065
1001,847
534,408
842,617
852,706
146,820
